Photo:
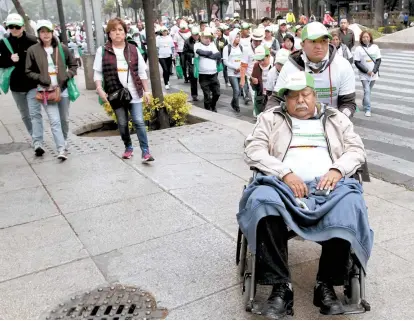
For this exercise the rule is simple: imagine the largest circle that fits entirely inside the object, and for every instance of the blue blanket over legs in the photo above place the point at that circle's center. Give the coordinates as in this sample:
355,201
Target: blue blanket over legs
342,214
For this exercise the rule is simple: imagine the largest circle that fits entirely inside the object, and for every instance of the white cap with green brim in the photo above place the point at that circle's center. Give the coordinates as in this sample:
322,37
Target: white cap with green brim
315,30
195,30
44,24
298,81
282,56
245,25
261,52
14,19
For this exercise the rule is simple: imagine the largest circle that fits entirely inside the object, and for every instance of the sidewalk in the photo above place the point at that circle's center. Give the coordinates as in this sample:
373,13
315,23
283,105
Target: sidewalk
168,227
402,40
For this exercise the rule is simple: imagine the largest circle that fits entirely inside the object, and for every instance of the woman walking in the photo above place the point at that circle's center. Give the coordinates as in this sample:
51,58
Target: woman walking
121,79
46,67
165,46
367,59
341,49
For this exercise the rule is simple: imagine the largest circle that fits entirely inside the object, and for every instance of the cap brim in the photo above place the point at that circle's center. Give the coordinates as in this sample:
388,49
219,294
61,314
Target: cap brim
318,36
20,24
295,88
259,57
46,27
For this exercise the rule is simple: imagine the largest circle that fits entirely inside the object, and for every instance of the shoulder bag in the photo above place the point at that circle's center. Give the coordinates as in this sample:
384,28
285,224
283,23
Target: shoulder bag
49,95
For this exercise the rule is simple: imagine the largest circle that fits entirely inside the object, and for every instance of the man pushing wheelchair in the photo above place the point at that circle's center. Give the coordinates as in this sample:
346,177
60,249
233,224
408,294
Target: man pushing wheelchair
305,155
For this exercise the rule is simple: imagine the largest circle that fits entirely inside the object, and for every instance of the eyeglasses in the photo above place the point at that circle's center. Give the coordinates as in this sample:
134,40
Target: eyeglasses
14,27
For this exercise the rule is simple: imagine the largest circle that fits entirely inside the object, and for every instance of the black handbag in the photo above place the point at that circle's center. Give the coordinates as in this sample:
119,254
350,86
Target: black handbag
121,97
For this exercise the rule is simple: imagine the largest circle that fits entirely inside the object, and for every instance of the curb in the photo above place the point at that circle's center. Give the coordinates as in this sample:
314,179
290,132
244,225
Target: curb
394,45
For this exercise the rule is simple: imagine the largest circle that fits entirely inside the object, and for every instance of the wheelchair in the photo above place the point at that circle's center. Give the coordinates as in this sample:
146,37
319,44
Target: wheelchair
354,285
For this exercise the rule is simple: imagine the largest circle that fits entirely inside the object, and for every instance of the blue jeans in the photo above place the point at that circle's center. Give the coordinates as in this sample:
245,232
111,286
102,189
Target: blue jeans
21,102
366,101
64,116
52,111
137,116
235,84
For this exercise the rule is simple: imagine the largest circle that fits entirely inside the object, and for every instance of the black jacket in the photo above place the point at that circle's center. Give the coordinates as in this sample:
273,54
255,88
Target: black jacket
19,81
188,49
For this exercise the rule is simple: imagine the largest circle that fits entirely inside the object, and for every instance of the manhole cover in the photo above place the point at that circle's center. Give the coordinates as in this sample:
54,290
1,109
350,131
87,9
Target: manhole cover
13,148
116,302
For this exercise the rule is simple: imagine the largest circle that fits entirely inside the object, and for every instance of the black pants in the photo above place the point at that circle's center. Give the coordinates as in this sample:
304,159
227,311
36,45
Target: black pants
166,67
272,255
193,81
211,90
183,62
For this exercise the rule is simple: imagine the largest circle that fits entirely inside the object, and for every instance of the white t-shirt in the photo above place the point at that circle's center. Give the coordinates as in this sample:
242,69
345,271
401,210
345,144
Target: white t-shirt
341,81
245,43
180,38
340,51
233,61
207,66
51,69
122,67
271,79
265,72
165,46
298,42
308,143
268,43
362,56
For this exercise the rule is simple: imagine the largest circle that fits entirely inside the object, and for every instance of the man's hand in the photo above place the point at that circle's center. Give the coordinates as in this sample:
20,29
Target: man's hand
329,180
370,73
255,81
236,71
296,184
147,97
15,57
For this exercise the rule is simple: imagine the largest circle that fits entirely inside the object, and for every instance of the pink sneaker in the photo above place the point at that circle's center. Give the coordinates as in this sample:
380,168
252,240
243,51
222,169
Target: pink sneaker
129,152
146,157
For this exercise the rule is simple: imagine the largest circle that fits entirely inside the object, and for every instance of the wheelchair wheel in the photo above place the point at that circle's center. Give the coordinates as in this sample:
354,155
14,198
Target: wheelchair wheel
243,255
354,291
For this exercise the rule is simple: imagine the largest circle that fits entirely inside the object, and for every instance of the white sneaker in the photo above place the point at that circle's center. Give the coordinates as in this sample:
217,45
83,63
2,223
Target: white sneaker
62,155
167,87
367,114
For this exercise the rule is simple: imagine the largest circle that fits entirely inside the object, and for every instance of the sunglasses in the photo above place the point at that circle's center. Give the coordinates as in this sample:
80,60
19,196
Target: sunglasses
14,27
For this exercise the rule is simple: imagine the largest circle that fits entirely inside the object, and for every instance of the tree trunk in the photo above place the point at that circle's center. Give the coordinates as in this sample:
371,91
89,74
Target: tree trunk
250,10
305,4
45,16
379,14
208,3
180,7
173,2
62,22
273,9
149,7
295,9
194,12
118,9
21,12
243,9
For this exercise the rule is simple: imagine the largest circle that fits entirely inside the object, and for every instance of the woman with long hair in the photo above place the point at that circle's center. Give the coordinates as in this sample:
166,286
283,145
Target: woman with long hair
51,69
121,79
367,59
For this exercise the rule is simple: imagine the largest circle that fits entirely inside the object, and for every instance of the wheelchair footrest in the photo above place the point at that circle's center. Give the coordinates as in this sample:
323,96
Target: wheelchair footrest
354,308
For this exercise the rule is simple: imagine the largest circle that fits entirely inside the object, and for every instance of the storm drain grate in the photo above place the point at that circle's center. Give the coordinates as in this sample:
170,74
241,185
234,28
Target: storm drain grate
116,302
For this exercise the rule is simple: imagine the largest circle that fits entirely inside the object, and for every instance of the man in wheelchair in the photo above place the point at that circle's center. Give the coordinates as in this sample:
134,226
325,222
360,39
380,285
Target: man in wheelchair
305,154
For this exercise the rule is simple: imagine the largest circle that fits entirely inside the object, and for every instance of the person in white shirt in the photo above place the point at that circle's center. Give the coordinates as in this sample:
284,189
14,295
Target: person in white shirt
119,66
179,39
367,59
209,57
2,32
245,38
165,47
282,57
298,37
232,55
270,42
174,29
341,49
334,76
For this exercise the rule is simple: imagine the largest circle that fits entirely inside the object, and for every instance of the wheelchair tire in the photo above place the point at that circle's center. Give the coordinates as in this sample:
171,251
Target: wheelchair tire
243,256
355,291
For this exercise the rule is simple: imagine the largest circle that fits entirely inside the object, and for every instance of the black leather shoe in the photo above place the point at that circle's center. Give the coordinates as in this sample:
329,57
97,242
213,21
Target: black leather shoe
324,297
280,302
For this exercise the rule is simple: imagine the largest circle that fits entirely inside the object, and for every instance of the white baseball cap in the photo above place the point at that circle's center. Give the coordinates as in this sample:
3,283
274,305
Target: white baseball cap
183,25
282,56
207,32
195,30
258,34
44,24
14,19
315,30
298,81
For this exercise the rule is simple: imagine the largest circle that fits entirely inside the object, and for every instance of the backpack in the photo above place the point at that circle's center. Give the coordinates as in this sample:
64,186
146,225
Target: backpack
229,48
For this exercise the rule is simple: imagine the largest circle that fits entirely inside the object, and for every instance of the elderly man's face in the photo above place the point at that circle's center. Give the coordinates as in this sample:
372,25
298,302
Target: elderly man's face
301,104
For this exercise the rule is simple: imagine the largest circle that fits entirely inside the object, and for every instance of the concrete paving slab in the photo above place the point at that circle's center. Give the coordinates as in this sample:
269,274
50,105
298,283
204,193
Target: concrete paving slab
37,245
25,205
177,268
4,135
192,174
102,189
402,246
31,296
236,166
18,177
166,154
228,225
212,202
133,221
79,167
402,198
12,161
378,187
388,220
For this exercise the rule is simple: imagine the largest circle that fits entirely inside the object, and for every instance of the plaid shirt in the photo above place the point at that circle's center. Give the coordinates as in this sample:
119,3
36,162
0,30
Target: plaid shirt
110,69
